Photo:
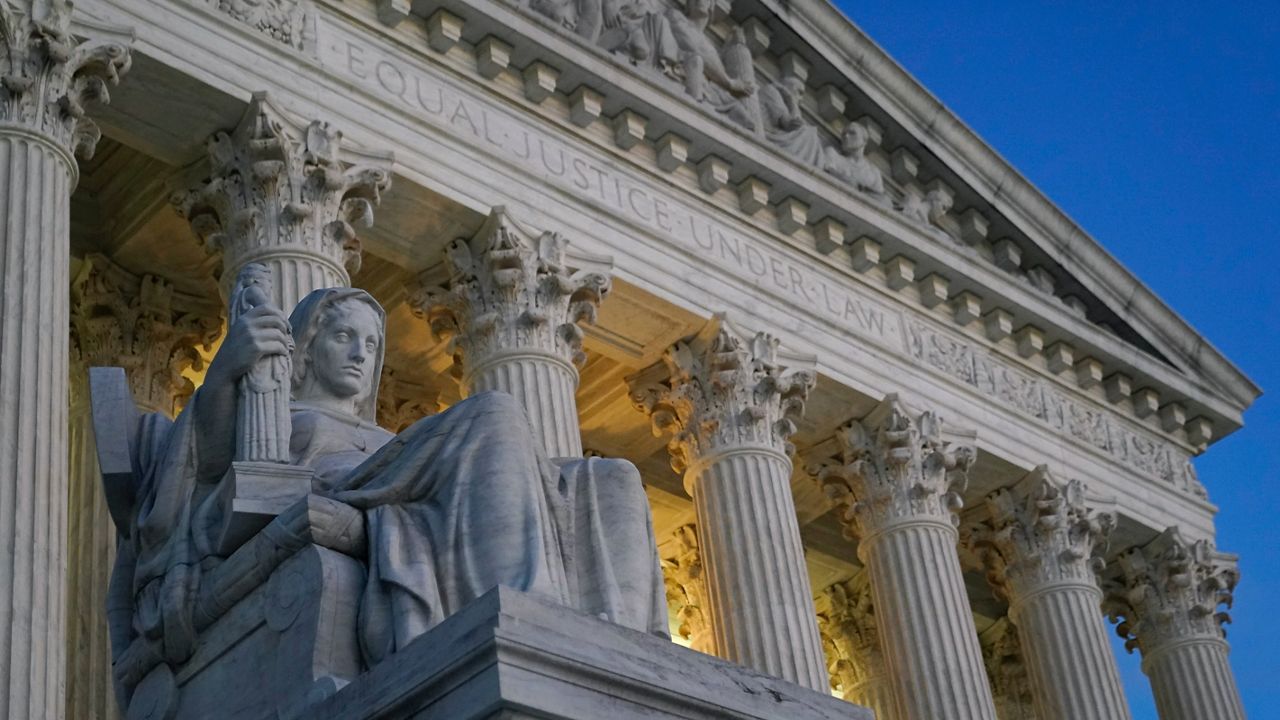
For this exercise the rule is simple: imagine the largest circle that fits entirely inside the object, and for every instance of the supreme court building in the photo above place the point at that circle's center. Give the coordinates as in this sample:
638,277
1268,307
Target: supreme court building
909,435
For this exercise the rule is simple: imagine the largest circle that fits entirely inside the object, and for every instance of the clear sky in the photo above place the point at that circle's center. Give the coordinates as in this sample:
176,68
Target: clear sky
1156,126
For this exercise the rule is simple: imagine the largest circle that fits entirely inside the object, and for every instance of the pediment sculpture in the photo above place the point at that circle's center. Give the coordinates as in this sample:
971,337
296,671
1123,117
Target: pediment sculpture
273,536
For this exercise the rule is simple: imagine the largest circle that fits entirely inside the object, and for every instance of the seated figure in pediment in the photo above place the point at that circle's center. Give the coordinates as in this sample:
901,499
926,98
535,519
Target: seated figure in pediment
723,79
849,162
455,505
784,122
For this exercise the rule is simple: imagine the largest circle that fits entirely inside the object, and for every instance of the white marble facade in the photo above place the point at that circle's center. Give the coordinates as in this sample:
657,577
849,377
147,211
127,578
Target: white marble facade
907,434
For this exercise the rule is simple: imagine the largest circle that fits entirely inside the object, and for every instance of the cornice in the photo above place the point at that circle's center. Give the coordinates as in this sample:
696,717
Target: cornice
863,62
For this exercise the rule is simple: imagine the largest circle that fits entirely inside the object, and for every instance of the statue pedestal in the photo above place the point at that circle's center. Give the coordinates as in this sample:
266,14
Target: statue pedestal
511,655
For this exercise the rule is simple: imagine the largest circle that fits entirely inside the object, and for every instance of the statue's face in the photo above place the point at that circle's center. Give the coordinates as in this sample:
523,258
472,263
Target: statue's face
345,350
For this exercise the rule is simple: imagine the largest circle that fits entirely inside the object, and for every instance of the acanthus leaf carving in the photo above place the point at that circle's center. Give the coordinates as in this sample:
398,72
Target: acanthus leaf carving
402,402
142,325
896,465
1170,590
507,289
850,636
1041,532
1010,680
278,185
686,585
48,77
724,389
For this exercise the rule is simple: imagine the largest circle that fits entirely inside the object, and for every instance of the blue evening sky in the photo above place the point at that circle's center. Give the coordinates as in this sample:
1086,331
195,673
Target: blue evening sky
1156,126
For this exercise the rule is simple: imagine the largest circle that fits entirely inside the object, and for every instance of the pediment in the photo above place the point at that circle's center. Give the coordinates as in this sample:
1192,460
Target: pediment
821,135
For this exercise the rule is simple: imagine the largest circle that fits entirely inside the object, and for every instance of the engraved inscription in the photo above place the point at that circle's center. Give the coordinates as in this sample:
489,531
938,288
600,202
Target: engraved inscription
594,181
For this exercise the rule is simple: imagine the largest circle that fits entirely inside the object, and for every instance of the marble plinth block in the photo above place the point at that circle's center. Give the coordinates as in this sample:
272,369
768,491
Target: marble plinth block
512,655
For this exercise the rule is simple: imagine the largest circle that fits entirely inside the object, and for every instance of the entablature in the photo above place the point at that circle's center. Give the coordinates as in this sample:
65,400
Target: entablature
466,123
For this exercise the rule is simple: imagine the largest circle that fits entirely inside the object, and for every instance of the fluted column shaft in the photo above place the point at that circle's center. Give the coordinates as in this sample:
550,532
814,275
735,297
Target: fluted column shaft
926,626
875,692
1069,660
35,185
1041,546
762,611
294,273
545,384
897,482
1192,680
731,401
92,539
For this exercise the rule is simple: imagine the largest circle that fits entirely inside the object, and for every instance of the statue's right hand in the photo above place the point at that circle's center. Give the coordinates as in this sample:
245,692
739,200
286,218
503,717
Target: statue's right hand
258,333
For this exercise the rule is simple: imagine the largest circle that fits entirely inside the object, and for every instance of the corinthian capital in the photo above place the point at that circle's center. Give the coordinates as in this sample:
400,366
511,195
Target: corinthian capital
1041,533
280,186
1171,590
849,634
897,465
508,291
47,76
721,390
142,325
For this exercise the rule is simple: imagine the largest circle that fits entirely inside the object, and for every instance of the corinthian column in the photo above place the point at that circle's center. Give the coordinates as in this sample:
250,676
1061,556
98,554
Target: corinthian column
286,194
896,487
852,640
46,79
139,324
1039,548
731,403
509,305
1168,599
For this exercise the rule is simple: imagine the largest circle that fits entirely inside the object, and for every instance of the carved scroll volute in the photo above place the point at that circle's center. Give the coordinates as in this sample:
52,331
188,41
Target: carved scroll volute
263,423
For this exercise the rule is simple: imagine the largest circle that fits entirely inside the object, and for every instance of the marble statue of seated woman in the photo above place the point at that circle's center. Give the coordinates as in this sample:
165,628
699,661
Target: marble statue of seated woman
456,504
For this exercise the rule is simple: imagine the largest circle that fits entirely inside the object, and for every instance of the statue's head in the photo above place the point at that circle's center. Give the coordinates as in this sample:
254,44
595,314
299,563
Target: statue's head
854,139
339,334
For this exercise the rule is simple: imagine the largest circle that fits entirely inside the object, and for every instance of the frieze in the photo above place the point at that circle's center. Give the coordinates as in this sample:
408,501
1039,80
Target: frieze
1022,391
598,182
286,21
480,124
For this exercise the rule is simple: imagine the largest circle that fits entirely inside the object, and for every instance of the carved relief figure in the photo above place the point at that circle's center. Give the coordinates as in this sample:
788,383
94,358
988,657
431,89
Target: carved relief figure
456,504
927,210
639,29
849,162
725,82
784,124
